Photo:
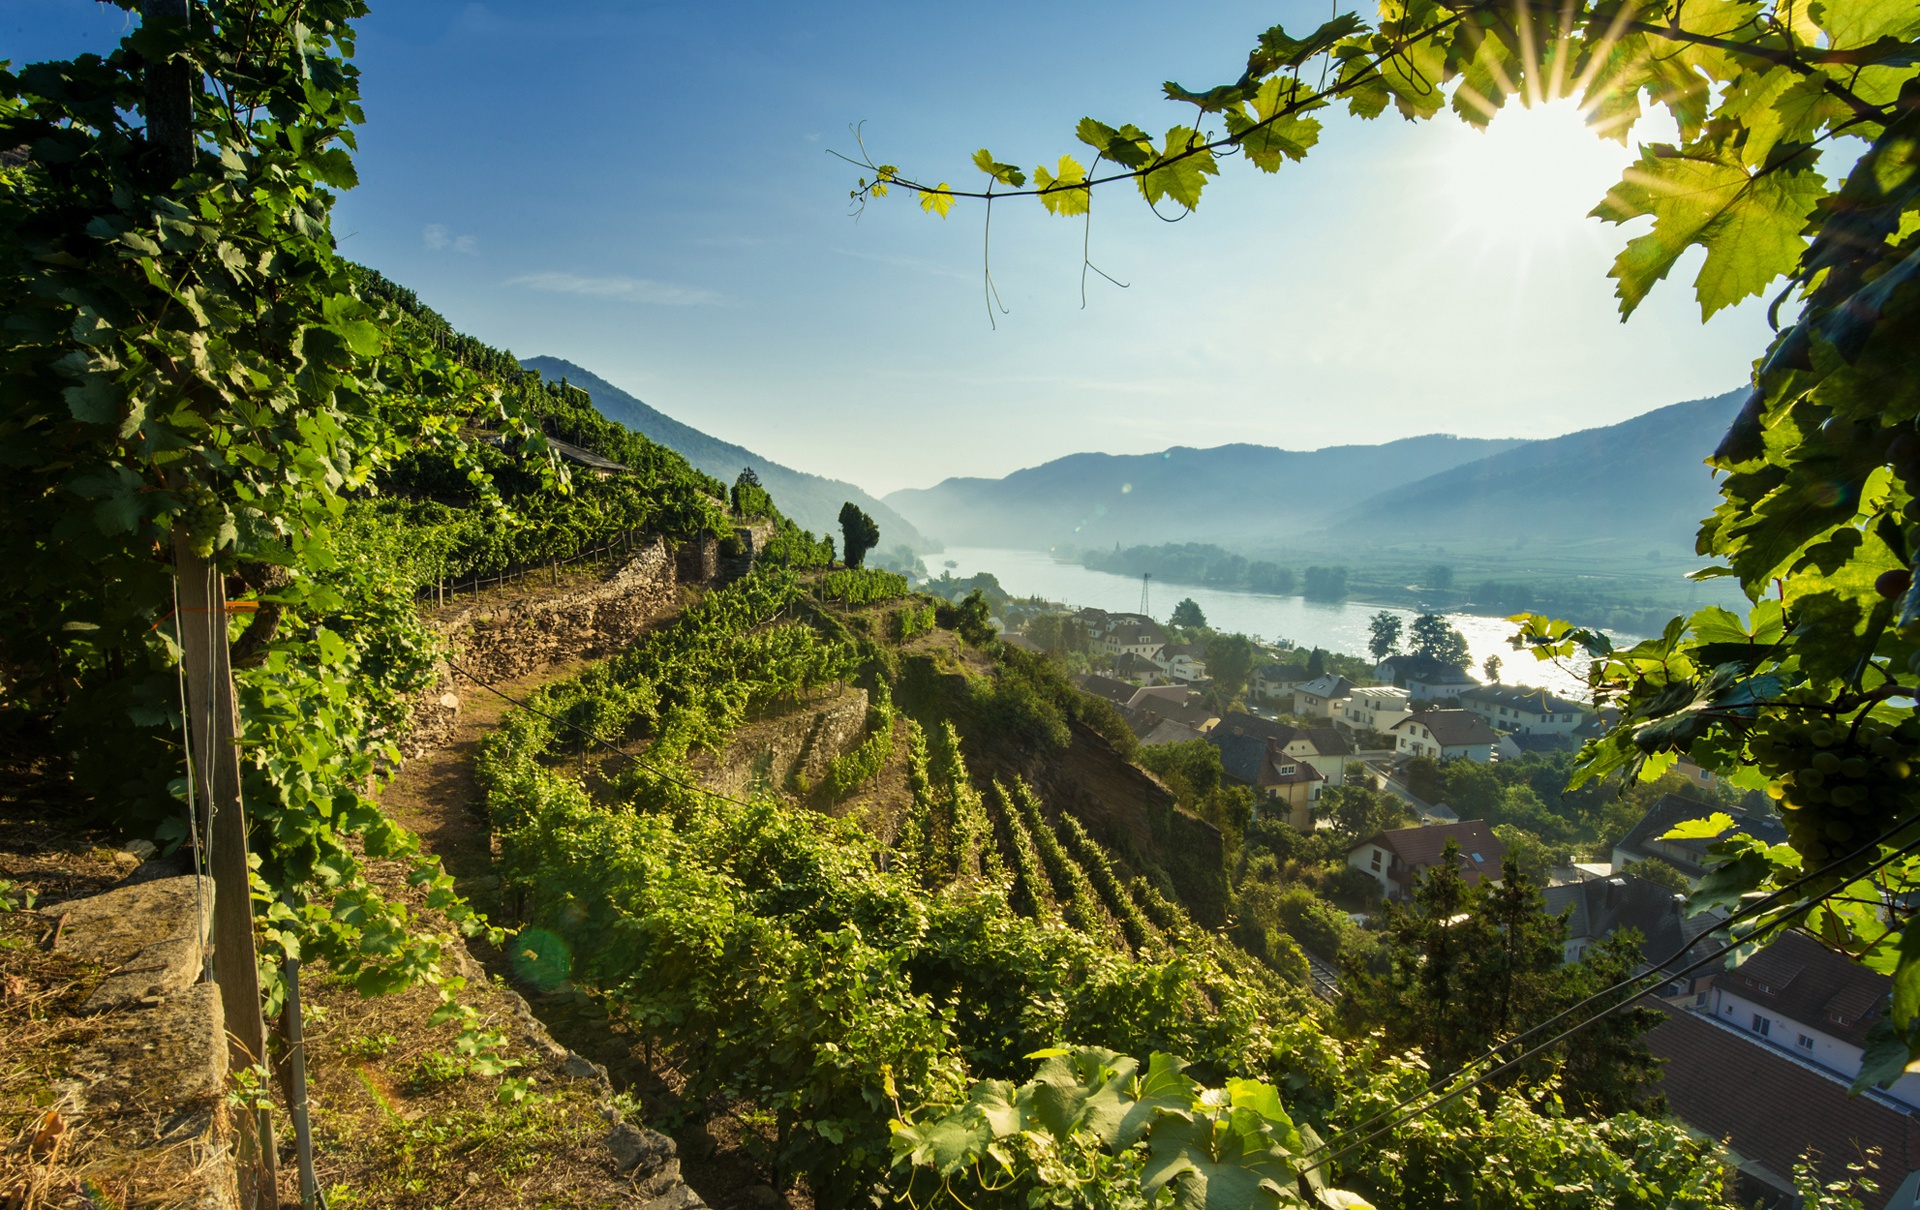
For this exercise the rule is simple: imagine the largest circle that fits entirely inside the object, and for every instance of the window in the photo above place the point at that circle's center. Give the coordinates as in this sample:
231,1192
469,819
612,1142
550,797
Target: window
1762,1025
1476,858
1286,770
1805,1042
1376,860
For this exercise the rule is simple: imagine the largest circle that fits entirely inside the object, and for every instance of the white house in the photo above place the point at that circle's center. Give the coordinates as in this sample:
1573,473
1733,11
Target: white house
1374,708
1276,681
1130,638
1800,996
1424,678
1322,697
1527,711
1445,735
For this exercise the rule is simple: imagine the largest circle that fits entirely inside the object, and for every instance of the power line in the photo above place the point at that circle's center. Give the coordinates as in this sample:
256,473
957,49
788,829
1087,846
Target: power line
1660,973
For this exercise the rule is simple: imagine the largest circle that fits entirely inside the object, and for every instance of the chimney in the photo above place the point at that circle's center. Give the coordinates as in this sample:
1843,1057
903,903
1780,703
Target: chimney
1679,905
1614,887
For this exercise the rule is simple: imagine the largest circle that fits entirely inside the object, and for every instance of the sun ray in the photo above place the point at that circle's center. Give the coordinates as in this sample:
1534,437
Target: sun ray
1529,53
1604,51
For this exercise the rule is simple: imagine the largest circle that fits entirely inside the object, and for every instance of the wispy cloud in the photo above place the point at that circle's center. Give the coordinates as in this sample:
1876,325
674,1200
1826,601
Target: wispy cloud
912,263
621,289
439,237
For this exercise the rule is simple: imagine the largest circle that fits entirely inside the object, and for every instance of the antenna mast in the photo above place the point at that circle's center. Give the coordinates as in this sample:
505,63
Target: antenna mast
1146,581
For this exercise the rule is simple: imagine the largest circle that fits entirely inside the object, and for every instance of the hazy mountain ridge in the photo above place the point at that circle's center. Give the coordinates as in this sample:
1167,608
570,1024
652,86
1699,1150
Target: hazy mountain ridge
1235,492
1641,477
812,501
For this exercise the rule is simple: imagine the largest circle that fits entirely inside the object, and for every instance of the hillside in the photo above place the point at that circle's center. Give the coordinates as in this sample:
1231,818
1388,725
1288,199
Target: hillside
811,500
1245,493
1638,481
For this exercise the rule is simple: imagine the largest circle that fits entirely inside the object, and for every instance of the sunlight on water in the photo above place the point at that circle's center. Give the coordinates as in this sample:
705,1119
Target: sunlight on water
1338,627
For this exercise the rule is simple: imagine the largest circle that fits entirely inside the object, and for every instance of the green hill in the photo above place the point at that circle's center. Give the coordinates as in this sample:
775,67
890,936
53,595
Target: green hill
811,500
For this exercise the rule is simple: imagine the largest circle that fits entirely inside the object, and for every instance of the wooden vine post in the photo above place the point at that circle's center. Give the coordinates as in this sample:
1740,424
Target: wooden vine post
202,620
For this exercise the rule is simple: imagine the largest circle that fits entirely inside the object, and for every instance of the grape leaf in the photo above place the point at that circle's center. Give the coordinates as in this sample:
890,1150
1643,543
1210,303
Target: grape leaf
1750,225
1180,179
1057,192
936,200
1700,829
1006,174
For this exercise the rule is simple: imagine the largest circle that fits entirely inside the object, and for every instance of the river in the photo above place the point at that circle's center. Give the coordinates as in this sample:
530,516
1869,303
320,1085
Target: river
1336,626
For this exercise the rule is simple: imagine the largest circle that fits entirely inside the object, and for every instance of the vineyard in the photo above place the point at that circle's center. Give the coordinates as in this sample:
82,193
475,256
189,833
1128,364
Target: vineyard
851,982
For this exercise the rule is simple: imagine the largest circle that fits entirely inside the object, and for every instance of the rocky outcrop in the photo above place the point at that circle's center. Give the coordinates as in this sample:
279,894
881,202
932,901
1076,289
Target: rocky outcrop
790,748
504,643
149,1086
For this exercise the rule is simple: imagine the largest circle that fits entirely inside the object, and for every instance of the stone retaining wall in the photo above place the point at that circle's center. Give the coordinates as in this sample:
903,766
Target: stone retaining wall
148,1089
510,642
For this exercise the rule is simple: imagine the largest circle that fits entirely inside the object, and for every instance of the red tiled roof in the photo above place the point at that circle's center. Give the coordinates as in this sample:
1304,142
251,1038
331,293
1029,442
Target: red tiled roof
1421,847
1772,1108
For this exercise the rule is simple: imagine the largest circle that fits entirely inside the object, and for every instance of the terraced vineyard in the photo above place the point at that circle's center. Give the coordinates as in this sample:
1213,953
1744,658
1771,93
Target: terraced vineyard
831,963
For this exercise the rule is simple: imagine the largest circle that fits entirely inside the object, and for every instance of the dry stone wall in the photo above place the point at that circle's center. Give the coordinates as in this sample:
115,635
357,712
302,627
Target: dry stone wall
773,751
148,1089
505,643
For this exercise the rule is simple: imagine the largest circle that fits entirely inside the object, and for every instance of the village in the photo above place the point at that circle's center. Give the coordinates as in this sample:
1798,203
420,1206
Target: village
1763,1053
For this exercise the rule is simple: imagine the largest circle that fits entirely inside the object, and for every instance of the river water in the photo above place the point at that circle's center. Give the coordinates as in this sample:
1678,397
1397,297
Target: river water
1336,626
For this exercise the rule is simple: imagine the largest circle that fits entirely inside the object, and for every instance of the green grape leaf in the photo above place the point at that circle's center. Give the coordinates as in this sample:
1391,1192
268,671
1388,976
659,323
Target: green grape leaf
1006,174
1889,1050
1700,829
947,1145
1850,23
1182,178
1749,224
1057,189
1906,979
1269,134
1128,146
936,200
1277,49
1217,1164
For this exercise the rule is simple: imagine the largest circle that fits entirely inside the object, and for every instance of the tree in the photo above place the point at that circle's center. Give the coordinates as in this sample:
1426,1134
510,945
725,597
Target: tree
1317,663
1492,668
749,498
1358,812
1659,872
859,532
1187,615
1820,464
1384,627
1229,662
1432,636
1326,584
1439,576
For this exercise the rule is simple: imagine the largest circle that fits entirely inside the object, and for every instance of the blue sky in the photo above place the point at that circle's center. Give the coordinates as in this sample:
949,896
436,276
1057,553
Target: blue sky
645,189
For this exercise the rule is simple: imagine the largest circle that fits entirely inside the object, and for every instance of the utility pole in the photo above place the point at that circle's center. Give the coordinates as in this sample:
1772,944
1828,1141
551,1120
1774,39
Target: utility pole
215,730
1146,582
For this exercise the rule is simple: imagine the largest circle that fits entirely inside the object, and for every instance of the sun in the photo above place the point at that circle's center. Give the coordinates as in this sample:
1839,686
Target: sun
1530,178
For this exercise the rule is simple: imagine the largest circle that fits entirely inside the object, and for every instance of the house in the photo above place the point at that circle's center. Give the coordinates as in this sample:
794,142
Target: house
1690,857
1128,666
1281,784
1182,661
1527,711
1706,779
1597,908
1117,692
1425,678
1320,697
1023,643
1273,682
1444,735
1322,747
1400,858
1799,996
1130,638
1374,708
1773,1108
1513,745
1167,731
1144,712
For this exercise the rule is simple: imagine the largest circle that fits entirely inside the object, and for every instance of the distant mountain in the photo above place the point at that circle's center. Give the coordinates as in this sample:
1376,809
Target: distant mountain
811,500
1231,494
1639,479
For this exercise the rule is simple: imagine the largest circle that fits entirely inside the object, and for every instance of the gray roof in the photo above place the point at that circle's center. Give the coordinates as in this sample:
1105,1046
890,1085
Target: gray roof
1117,692
1421,668
1534,701
1600,907
1167,731
1452,728
1481,852
1329,685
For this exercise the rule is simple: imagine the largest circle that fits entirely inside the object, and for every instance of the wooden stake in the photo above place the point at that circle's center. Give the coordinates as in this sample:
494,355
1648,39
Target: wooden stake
216,733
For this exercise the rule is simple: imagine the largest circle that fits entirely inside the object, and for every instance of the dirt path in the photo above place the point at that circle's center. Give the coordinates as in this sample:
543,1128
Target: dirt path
436,795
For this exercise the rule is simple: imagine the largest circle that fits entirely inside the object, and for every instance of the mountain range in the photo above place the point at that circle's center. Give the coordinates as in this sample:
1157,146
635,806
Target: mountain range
1641,479
812,501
